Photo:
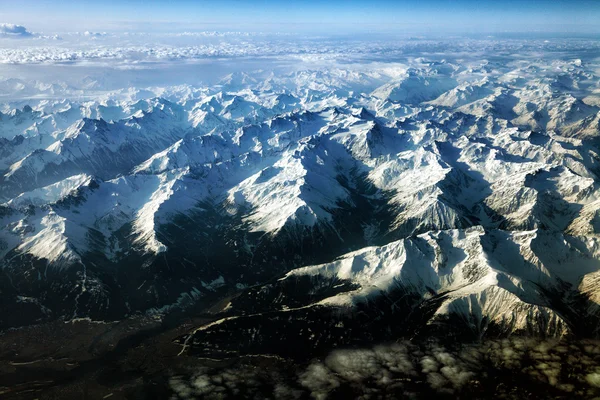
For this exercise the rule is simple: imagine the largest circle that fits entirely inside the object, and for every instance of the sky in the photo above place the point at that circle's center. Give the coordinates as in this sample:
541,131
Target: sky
405,16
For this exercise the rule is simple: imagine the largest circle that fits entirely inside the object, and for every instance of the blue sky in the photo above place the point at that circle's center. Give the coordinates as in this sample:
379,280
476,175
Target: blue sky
420,16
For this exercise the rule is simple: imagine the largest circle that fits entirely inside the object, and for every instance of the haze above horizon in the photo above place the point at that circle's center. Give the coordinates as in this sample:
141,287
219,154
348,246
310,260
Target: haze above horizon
336,16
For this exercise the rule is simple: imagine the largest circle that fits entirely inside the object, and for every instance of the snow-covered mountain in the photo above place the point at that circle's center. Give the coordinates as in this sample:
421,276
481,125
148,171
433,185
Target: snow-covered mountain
439,197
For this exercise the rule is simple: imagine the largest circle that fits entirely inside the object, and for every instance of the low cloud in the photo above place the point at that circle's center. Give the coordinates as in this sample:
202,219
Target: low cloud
14,31
94,34
493,369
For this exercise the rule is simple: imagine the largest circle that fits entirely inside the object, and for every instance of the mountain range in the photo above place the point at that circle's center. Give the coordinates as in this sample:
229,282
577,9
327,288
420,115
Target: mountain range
443,199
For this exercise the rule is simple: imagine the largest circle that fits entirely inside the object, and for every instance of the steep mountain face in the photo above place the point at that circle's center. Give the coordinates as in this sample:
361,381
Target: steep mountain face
308,206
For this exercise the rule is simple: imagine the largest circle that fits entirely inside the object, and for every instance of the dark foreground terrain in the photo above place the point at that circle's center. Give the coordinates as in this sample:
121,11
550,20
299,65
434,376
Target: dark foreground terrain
139,359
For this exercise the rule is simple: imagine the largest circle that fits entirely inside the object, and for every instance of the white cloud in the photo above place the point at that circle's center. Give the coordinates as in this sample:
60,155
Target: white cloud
94,34
14,31
127,49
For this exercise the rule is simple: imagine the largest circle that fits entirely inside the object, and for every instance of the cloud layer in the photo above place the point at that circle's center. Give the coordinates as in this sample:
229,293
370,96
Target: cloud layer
127,49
